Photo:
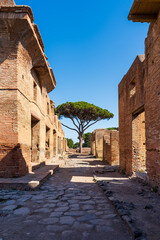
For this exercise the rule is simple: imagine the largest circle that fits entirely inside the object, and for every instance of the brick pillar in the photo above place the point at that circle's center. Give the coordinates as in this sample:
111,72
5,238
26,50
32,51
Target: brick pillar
7,3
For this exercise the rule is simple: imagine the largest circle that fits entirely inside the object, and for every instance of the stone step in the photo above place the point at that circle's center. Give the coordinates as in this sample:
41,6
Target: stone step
35,165
31,181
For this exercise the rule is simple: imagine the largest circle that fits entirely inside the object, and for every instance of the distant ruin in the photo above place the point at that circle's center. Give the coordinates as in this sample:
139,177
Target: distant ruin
105,145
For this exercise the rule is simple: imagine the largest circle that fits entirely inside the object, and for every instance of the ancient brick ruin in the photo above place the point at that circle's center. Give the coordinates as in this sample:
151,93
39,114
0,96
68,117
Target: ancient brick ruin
139,100
30,132
97,142
111,147
132,118
105,145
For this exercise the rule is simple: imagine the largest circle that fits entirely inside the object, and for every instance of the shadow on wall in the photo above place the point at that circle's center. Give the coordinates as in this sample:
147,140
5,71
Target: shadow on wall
12,162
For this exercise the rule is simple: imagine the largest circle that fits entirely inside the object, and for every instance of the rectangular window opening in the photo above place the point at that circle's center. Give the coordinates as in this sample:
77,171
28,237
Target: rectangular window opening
132,88
34,91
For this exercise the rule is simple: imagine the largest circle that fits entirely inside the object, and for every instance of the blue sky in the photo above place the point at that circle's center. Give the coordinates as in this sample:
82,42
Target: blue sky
90,45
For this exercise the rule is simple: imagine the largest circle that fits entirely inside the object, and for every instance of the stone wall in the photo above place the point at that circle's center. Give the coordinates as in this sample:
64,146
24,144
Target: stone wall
28,127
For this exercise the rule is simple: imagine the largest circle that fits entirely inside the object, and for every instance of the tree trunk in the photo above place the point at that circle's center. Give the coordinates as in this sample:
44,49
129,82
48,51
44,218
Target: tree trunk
80,143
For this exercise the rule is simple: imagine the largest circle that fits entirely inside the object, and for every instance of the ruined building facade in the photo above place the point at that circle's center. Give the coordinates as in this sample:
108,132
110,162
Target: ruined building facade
132,118
105,145
29,130
139,100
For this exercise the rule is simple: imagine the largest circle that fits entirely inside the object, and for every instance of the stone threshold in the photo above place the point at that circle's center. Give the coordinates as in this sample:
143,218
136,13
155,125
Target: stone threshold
31,181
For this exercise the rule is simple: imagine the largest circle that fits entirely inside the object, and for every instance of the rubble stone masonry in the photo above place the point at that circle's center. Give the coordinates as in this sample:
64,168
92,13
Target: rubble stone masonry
28,127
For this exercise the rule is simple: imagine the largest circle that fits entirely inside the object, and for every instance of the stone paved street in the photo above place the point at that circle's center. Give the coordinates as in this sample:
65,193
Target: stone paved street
68,206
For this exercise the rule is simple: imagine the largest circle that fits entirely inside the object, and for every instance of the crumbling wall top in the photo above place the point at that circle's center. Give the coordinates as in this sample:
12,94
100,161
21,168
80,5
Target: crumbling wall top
12,12
7,3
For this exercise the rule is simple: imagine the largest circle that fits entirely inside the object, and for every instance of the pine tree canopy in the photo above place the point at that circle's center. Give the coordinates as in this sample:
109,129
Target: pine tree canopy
84,111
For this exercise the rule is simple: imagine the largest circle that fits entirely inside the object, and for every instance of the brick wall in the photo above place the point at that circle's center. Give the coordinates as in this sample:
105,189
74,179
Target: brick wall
140,141
27,121
111,147
99,133
107,147
131,104
93,147
152,100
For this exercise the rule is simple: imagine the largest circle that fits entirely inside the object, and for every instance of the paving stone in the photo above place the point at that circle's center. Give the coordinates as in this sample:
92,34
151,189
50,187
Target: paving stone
25,198
61,209
67,220
56,214
91,211
67,233
73,201
87,217
88,202
49,205
8,197
75,205
9,208
64,199
54,197
51,220
104,229
10,202
62,204
56,228
42,210
75,209
99,213
39,201
86,226
40,197
51,201
97,221
75,213
82,198
108,216
29,221
69,195
22,211
85,234
87,207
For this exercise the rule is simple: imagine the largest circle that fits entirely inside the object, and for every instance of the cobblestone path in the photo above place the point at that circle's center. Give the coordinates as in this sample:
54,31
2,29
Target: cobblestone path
68,206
